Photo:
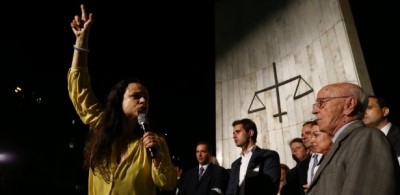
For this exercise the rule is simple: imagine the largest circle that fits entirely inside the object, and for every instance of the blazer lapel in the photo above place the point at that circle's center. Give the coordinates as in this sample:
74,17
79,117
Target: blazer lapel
334,148
253,163
235,171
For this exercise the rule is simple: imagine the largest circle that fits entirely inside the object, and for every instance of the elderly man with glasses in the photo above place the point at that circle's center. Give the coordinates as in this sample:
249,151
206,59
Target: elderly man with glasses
360,160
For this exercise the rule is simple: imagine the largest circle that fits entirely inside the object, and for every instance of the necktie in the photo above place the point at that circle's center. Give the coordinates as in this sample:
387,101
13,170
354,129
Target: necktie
201,172
315,163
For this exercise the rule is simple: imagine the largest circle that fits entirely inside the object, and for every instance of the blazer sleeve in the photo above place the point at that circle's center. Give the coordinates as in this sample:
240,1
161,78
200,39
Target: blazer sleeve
263,173
220,181
272,169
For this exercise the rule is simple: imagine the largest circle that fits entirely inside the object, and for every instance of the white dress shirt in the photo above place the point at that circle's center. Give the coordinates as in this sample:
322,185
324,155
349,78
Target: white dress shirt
243,168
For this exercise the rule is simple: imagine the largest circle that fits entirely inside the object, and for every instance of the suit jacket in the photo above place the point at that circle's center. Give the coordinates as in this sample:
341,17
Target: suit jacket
296,178
303,170
213,181
262,176
360,161
394,138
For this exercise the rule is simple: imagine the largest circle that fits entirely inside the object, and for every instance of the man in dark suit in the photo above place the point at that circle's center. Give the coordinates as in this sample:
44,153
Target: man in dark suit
377,115
206,178
360,160
300,175
257,171
297,176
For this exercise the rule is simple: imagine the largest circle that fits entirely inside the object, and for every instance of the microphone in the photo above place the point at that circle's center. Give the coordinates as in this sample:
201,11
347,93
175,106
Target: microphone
144,125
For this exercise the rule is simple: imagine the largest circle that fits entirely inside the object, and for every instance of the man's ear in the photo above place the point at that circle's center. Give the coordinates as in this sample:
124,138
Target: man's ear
350,105
385,111
251,133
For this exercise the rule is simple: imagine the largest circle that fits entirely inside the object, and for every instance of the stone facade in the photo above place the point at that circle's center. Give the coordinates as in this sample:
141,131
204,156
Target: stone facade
272,57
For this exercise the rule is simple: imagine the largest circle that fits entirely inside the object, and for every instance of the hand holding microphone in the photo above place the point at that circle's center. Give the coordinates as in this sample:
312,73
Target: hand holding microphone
144,125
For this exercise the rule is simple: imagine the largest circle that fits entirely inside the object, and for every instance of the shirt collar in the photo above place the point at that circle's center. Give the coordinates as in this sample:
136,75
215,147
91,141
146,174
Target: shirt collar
249,151
385,129
204,166
334,138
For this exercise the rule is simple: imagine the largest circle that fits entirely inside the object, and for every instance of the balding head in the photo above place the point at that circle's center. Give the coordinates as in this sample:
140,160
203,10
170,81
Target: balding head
338,104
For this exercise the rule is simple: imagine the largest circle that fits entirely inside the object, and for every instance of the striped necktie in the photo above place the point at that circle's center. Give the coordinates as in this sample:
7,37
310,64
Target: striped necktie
201,171
315,163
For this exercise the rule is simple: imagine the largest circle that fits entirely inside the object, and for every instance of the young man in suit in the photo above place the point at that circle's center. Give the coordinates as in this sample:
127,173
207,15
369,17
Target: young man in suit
360,160
206,178
376,115
257,171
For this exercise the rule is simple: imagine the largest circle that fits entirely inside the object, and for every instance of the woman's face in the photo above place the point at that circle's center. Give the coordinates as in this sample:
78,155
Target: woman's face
321,142
135,100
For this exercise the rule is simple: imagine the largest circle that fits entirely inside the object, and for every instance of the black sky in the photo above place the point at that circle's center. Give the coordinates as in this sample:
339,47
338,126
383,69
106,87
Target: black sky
168,45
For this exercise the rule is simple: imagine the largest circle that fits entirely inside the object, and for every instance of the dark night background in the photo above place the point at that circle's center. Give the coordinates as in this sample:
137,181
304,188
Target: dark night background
167,45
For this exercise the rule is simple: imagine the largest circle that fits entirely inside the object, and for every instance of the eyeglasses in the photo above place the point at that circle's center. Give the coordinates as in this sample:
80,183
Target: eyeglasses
320,102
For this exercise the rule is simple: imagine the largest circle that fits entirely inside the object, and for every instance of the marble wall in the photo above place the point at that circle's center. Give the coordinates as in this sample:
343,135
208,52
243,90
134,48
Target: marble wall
272,57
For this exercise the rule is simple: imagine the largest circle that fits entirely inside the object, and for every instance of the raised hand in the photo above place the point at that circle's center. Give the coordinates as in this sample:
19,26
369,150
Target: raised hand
81,25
